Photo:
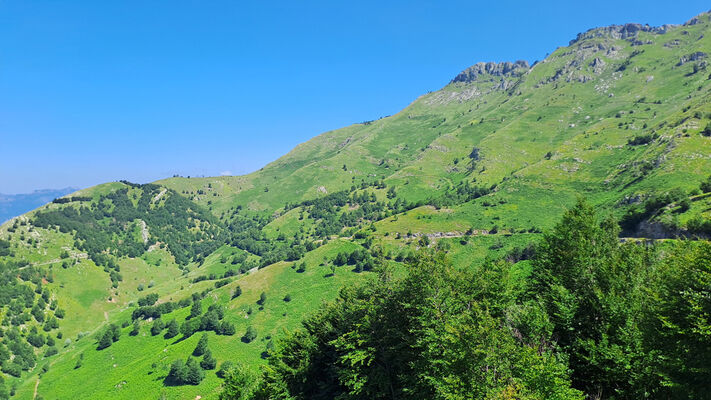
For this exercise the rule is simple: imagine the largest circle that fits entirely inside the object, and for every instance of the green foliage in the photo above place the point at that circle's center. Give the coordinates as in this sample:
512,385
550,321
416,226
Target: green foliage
249,335
678,333
172,329
170,223
225,368
185,373
194,374
157,327
642,139
201,346
196,309
136,328
148,300
106,340
240,383
590,287
208,362
436,333
178,373
706,185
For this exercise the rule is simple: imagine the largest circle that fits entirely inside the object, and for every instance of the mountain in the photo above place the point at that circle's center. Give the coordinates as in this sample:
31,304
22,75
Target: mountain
116,285
12,205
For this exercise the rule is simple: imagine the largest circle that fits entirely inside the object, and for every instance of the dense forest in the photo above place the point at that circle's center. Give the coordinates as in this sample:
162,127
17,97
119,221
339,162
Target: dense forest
187,230
587,317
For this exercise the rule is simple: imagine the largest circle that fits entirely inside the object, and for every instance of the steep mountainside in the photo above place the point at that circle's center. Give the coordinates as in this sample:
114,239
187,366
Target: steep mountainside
478,169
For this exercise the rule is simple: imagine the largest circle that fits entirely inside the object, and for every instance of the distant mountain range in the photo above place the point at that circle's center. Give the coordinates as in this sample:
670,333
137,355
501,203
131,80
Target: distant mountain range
12,205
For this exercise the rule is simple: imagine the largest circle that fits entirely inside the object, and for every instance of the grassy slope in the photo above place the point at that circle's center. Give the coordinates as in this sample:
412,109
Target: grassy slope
583,127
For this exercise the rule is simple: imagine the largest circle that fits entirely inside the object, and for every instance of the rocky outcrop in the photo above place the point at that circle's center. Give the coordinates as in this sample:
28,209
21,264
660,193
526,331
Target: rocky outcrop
598,65
699,19
503,69
626,31
699,55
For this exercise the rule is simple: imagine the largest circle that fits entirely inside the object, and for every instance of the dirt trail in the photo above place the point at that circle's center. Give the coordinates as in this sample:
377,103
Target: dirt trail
34,396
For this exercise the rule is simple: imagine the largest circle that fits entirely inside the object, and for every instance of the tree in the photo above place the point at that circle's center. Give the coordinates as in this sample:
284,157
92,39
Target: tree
194,374
36,339
172,329
340,259
706,185
591,289
707,131
208,361
201,346
188,328
227,328
287,298
240,383
210,321
270,348
178,373
196,309
115,332
136,328
12,369
106,340
249,335
225,367
302,268
680,322
237,292
158,326
391,192
262,299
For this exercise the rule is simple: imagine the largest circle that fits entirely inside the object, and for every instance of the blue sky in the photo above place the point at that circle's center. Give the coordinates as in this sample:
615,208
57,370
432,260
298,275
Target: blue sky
96,91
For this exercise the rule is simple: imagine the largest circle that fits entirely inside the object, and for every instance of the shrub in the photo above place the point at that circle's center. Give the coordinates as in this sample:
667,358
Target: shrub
249,335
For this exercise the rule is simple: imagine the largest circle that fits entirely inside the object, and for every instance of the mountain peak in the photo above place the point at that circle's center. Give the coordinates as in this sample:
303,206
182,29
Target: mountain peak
501,69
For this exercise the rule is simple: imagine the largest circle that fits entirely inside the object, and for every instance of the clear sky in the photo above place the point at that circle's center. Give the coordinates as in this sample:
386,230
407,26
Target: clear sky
96,91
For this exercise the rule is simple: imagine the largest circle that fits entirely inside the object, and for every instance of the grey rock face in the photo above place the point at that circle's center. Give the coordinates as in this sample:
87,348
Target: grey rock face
626,31
699,55
503,69
597,63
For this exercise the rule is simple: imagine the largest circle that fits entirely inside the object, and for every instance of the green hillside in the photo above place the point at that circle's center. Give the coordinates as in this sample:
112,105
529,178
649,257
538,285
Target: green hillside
104,289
